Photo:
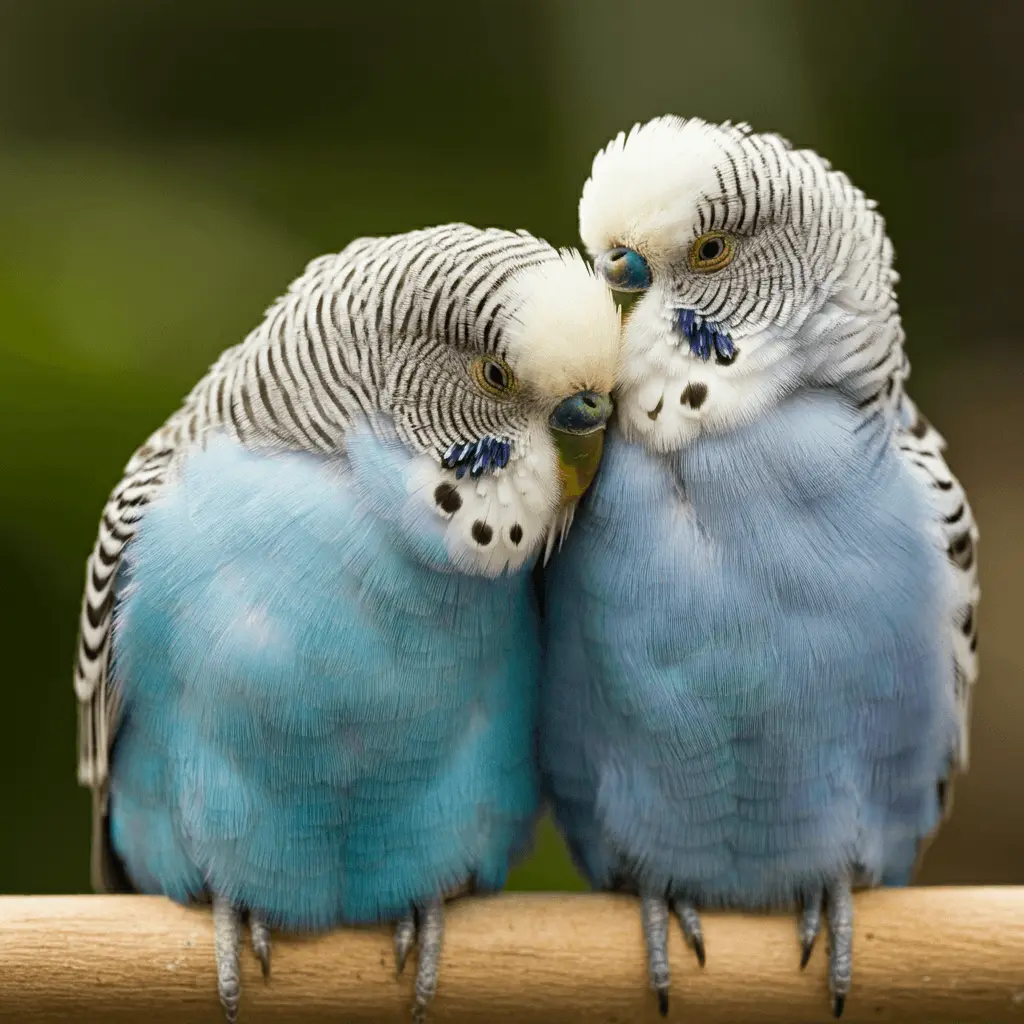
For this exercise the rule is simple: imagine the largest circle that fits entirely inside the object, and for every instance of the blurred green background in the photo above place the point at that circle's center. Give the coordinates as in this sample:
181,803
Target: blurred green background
166,168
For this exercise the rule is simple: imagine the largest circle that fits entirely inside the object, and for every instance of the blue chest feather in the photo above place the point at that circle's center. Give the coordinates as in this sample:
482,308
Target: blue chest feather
749,681
322,721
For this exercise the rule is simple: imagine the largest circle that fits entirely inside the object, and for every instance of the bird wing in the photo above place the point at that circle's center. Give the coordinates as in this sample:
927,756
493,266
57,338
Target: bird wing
922,446
99,702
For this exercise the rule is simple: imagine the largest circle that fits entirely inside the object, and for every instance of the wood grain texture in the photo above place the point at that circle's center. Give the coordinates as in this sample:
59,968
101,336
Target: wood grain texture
933,955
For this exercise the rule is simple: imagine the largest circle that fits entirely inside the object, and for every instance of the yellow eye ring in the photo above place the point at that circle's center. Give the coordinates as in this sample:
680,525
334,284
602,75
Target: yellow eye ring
494,376
712,251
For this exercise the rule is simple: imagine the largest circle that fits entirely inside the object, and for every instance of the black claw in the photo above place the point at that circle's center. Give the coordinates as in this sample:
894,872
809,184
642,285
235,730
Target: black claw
805,953
663,1002
837,1006
698,948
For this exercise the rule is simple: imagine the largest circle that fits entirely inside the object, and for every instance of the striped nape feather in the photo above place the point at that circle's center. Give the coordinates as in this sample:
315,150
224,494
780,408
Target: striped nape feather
805,299
390,326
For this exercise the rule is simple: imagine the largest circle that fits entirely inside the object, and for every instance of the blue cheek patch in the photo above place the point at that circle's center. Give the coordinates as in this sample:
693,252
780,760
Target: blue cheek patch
706,336
477,457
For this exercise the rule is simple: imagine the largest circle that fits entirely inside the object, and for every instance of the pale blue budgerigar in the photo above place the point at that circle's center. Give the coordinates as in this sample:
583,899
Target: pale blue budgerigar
761,633
309,651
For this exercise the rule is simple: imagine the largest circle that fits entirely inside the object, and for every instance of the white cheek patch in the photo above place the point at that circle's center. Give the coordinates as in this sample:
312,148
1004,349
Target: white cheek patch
655,413
498,521
668,396
650,395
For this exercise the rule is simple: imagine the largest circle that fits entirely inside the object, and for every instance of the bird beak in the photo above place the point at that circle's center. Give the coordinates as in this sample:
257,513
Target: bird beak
577,426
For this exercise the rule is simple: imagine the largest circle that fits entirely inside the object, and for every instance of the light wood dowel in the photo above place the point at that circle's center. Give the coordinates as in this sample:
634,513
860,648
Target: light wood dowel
932,955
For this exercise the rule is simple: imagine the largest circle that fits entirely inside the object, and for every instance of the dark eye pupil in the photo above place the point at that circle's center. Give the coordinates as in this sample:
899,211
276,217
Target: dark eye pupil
711,249
496,375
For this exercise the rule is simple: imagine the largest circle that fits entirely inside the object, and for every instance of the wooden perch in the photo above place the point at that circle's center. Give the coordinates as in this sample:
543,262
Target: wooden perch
931,955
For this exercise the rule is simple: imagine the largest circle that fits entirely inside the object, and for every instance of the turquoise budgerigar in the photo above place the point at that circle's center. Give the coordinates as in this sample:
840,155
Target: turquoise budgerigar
761,632
309,651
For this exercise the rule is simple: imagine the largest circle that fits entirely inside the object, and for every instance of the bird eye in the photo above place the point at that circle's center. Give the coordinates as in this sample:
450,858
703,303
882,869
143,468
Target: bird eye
494,375
624,269
712,251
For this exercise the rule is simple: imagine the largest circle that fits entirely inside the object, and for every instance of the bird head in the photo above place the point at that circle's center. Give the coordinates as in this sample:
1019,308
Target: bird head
509,388
762,271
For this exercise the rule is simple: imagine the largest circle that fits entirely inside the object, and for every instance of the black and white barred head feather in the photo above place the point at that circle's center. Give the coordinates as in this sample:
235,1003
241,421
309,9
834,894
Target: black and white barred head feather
764,271
454,332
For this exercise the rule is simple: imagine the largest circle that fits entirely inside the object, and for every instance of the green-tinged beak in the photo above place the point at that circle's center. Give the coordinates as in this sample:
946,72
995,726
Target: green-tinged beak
577,426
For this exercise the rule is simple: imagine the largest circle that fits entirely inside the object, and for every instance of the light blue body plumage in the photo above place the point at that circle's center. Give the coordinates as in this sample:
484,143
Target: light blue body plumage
322,721
762,635
309,654
749,685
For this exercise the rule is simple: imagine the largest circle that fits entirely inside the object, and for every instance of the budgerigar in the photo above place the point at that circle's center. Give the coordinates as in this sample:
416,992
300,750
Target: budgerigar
309,651
761,633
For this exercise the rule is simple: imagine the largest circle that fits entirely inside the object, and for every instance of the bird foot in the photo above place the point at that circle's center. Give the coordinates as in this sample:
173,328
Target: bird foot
227,947
838,903
692,931
424,928
654,913
259,936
